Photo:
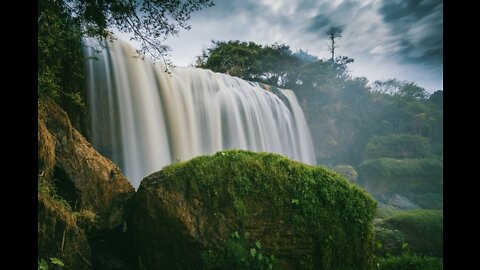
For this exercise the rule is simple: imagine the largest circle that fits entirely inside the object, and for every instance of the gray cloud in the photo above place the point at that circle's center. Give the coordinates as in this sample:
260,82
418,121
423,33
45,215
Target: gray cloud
320,23
418,28
406,34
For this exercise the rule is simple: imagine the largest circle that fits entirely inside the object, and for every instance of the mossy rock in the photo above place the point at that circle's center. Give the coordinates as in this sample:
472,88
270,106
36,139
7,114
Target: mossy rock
81,194
420,231
82,176
306,216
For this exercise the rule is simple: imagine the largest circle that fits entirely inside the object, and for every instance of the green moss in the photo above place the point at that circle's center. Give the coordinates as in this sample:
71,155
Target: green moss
423,230
337,213
238,254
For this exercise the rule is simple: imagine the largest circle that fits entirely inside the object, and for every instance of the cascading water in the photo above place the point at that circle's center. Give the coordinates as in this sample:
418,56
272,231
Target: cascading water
143,118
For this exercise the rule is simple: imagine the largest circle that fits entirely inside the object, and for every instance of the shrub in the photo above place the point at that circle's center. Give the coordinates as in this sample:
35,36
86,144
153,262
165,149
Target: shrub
402,176
397,146
408,261
423,230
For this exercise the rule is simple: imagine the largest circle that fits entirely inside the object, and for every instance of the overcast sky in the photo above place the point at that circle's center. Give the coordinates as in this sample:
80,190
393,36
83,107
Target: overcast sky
387,38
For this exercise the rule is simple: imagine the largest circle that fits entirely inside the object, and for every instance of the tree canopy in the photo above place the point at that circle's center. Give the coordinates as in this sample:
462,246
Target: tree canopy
150,21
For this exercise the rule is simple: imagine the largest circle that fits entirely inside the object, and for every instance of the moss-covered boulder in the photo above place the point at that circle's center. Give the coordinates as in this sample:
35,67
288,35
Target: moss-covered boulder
420,231
307,217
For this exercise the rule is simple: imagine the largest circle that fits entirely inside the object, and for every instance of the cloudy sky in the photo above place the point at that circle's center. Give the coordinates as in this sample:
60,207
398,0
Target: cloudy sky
387,38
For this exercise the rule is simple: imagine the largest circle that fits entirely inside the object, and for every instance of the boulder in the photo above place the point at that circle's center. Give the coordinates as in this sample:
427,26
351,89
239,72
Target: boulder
82,198
282,212
85,178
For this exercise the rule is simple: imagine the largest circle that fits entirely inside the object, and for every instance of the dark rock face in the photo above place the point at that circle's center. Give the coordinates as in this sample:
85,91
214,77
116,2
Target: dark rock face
81,195
99,185
188,208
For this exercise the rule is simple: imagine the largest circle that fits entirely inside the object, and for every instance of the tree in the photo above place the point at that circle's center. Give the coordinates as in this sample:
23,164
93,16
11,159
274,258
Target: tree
333,33
412,91
150,21
270,64
404,89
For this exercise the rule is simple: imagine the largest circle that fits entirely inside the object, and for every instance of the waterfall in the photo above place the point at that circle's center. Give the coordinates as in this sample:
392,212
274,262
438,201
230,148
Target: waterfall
143,118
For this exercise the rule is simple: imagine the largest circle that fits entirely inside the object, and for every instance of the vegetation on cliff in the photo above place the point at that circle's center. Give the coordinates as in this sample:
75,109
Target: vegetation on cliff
422,229
409,239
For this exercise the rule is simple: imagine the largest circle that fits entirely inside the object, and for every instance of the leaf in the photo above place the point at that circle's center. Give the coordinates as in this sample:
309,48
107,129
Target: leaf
404,245
260,256
258,244
43,265
253,252
57,261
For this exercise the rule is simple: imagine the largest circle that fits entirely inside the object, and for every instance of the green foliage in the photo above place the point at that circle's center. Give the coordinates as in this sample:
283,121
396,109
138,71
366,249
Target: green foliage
56,261
48,190
397,146
403,89
348,171
384,212
428,200
60,60
311,198
402,176
408,261
388,241
43,264
423,230
237,254
149,21
249,61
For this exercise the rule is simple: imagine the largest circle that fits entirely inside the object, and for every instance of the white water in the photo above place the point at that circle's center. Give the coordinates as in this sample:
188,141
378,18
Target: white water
144,119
